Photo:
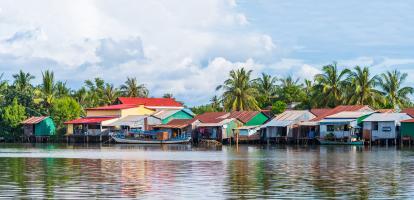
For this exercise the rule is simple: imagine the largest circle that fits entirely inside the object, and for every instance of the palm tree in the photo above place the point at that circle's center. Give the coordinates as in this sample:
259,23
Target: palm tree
290,90
95,92
363,87
216,103
110,94
48,88
22,81
61,89
308,90
3,87
391,85
168,95
330,84
266,86
131,88
239,93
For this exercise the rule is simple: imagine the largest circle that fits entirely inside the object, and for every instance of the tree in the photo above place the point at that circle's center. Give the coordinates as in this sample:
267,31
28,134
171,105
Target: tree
363,88
391,84
3,88
215,103
94,92
65,109
110,94
278,107
308,101
61,89
239,93
290,90
48,88
330,84
22,81
168,95
12,115
266,86
131,88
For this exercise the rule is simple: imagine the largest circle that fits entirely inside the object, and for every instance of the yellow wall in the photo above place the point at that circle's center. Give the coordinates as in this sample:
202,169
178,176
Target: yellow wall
141,110
97,113
69,129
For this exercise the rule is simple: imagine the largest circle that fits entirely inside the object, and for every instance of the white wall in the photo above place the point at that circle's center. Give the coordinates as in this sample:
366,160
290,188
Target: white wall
338,134
381,134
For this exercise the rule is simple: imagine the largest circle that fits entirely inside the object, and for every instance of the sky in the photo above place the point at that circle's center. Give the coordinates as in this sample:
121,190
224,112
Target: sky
187,47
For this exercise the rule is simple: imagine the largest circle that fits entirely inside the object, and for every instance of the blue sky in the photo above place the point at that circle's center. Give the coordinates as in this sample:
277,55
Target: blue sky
187,47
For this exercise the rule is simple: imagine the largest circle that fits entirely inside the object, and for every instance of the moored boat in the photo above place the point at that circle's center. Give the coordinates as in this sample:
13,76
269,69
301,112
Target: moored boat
328,142
118,138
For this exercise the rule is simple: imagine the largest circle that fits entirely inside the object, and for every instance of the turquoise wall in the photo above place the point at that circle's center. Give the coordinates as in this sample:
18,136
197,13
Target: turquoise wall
178,115
259,119
45,128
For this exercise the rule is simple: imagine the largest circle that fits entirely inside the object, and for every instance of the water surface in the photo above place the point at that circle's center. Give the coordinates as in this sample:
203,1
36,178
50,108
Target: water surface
184,172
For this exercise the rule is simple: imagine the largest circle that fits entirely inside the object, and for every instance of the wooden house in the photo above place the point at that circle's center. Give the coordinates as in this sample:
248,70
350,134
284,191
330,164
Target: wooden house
383,126
216,126
343,124
179,127
285,125
38,127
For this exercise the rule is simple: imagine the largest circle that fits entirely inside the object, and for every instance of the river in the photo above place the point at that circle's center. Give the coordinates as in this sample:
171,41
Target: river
186,172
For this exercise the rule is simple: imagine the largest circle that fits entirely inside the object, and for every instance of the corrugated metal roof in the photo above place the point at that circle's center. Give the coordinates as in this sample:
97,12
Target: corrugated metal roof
247,127
343,108
164,113
212,117
220,123
277,123
243,116
408,121
348,115
387,117
155,102
291,115
34,120
320,111
335,120
131,121
385,111
409,111
114,107
177,123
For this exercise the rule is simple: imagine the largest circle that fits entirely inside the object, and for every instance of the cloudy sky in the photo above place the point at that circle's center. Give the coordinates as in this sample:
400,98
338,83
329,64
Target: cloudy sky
187,47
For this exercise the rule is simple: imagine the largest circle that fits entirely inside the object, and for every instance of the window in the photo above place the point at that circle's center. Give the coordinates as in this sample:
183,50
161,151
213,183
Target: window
346,128
330,127
386,129
375,126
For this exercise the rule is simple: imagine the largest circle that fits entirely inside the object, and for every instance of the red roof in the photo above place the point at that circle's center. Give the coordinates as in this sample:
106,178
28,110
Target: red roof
114,107
177,123
243,116
159,102
320,111
385,111
408,121
341,108
33,120
89,120
212,117
409,111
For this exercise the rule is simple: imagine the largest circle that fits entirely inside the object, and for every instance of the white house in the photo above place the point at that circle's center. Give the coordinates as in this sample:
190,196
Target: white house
343,124
284,124
383,125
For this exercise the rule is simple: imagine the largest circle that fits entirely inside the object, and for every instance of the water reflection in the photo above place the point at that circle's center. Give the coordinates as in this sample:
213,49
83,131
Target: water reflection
170,172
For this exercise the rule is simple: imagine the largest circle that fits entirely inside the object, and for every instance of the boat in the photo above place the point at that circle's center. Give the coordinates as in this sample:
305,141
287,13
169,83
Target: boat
329,142
118,138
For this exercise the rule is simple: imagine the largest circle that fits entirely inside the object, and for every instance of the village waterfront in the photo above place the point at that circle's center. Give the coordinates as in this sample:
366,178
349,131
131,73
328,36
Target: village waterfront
184,171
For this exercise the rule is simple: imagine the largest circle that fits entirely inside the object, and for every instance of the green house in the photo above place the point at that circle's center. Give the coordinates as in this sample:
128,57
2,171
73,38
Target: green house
250,118
39,126
407,128
166,115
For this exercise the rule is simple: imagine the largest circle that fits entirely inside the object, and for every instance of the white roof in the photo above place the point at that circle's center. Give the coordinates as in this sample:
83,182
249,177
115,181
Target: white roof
164,113
132,121
247,127
277,123
348,115
292,115
333,120
387,117
221,123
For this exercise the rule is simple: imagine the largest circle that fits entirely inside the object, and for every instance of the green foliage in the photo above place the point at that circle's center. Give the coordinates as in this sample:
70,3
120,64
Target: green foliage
239,93
131,88
11,116
65,109
290,90
396,96
278,107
